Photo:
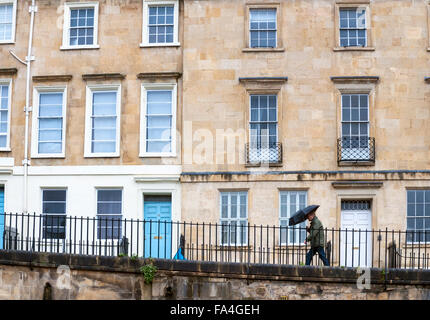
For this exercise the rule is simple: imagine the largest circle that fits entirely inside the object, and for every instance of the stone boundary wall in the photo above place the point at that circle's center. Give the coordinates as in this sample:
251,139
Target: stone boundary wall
29,275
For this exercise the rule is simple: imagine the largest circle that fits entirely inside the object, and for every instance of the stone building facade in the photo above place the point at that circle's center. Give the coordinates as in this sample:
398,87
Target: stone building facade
271,105
349,101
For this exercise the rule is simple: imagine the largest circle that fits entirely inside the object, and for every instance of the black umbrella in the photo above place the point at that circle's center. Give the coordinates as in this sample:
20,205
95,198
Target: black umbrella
300,215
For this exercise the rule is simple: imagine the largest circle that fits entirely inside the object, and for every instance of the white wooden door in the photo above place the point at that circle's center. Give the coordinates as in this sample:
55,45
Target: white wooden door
356,236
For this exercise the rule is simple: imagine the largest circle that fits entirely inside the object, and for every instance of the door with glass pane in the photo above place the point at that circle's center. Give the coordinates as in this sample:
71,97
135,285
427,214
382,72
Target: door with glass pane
290,203
234,218
355,127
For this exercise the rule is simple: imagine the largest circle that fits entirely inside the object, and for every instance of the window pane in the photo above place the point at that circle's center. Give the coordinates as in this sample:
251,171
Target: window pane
104,122
104,134
159,102
104,118
262,28
297,200
50,135
419,196
109,226
50,147
109,195
103,147
54,195
411,196
54,211
109,201
6,20
411,210
153,146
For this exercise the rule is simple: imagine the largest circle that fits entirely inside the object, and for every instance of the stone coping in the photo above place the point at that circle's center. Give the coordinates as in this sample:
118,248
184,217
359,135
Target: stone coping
214,269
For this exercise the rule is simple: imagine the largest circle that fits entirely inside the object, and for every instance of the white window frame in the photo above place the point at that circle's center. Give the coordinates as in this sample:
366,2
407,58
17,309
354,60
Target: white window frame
343,149
35,123
276,27
68,6
415,217
14,3
9,106
88,123
97,189
365,28
263,146
143,112
145,35
238,219
297,231
42,190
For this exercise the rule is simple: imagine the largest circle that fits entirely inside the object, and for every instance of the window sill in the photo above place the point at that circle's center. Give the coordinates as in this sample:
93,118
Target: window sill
157,45
157,155
356,163
5,149
7,42
65,48
263,165
263,49
48,156
354,49
415,245
101,155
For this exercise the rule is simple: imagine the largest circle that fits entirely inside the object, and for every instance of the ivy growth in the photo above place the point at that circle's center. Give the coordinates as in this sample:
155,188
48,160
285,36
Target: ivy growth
149,271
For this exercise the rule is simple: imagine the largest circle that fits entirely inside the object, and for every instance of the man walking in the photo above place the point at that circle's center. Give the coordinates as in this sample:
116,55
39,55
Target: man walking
316,239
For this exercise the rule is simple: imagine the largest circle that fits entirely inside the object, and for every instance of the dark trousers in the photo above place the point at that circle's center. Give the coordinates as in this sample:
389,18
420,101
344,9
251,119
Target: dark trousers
321,253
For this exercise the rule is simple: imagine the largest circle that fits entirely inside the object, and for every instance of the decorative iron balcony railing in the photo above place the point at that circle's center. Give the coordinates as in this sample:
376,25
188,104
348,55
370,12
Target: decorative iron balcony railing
271,153
356,149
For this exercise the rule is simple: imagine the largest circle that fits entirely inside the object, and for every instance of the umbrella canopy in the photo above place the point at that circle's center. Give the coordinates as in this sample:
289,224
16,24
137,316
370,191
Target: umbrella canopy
301,215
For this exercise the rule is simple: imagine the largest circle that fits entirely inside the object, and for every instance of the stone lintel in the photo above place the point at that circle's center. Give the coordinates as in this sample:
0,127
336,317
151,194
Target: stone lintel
8,71
355,79
263,79
103,76
53,78
357,184
159,75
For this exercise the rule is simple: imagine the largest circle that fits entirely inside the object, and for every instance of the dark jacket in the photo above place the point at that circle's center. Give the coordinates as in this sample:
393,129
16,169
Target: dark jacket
316,234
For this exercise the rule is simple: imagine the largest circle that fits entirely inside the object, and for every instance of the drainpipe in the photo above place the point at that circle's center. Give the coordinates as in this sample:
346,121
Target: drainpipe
28,59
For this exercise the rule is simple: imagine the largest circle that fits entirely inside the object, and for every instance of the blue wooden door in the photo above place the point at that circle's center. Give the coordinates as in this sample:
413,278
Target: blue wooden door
1,217
158,229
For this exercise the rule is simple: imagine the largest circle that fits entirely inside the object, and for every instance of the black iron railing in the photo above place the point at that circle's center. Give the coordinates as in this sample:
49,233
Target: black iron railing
257,154
212,241
356,149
